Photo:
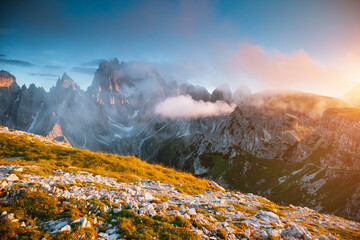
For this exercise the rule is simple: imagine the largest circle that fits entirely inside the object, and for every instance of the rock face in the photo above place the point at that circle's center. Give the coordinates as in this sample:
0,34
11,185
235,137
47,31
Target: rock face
116,115
6,79
339,132
18,105
8,94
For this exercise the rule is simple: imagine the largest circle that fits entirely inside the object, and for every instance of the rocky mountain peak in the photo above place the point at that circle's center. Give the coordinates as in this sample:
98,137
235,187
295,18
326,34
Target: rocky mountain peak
221,93
196,92
66,82
108,82
6,79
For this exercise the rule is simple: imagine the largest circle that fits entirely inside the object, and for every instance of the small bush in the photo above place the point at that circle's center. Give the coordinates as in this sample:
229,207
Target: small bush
37,204
221,233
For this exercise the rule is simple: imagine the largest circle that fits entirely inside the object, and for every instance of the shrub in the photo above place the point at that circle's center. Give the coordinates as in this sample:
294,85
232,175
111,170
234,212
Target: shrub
221,233
37,204
7,229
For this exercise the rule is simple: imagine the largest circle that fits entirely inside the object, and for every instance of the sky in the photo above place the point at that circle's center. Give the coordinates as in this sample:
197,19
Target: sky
311,46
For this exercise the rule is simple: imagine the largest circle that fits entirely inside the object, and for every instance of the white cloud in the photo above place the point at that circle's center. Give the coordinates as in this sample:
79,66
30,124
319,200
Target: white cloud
185,107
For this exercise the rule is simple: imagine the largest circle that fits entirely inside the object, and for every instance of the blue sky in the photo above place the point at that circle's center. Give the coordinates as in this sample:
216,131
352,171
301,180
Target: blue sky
195,41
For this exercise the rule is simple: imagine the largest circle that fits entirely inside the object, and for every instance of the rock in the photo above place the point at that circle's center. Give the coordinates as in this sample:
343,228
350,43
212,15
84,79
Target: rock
148,197
88,224
162,207
22,224
182,209
229,230
113,236
272,217
10,216
118,209
102,235
12,177
106,209
147,210
247,233
218,186
191,211
3,213
212,218
83,222
172,212
20,169
65,228
296,231
274,232
327,236
264,234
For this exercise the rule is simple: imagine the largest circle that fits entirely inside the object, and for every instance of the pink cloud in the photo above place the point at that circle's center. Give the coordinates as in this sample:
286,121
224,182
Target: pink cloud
296,71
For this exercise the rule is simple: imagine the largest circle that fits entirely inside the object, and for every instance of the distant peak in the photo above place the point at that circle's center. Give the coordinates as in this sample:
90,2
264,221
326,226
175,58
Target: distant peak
65,76
66,81
115,61
6,79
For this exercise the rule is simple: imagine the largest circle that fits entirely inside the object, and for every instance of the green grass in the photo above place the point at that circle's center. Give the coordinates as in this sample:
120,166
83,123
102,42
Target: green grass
124,168
133,226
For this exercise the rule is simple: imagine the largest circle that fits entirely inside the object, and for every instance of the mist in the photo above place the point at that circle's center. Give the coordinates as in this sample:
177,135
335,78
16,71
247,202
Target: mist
184,106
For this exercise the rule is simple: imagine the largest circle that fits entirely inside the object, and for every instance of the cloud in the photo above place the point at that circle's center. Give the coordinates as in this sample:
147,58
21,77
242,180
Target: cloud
52,67
279,71
94,62
19,63
43,75
86,70
185,107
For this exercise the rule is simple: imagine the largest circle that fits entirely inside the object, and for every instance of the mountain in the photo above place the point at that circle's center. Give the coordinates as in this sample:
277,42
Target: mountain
18,105
275,144
51,190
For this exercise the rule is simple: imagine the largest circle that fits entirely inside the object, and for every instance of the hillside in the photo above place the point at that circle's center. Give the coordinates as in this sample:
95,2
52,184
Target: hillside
51,190
326,174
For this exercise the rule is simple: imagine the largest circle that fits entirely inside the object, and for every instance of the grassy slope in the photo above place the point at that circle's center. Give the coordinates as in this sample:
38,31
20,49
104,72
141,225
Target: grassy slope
125,168
50,156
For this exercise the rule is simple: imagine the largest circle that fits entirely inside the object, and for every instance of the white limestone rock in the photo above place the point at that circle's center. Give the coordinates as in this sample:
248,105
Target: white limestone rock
12,177
65,228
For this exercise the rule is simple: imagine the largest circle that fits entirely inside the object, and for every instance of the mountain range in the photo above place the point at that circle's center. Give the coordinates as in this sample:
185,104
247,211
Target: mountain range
290,147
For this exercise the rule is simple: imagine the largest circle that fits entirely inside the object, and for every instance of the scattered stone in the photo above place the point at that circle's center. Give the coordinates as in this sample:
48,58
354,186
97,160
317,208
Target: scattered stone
162,207
118,209
192,211
3,185
65,228
106,209
10,216
12,177
262,224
